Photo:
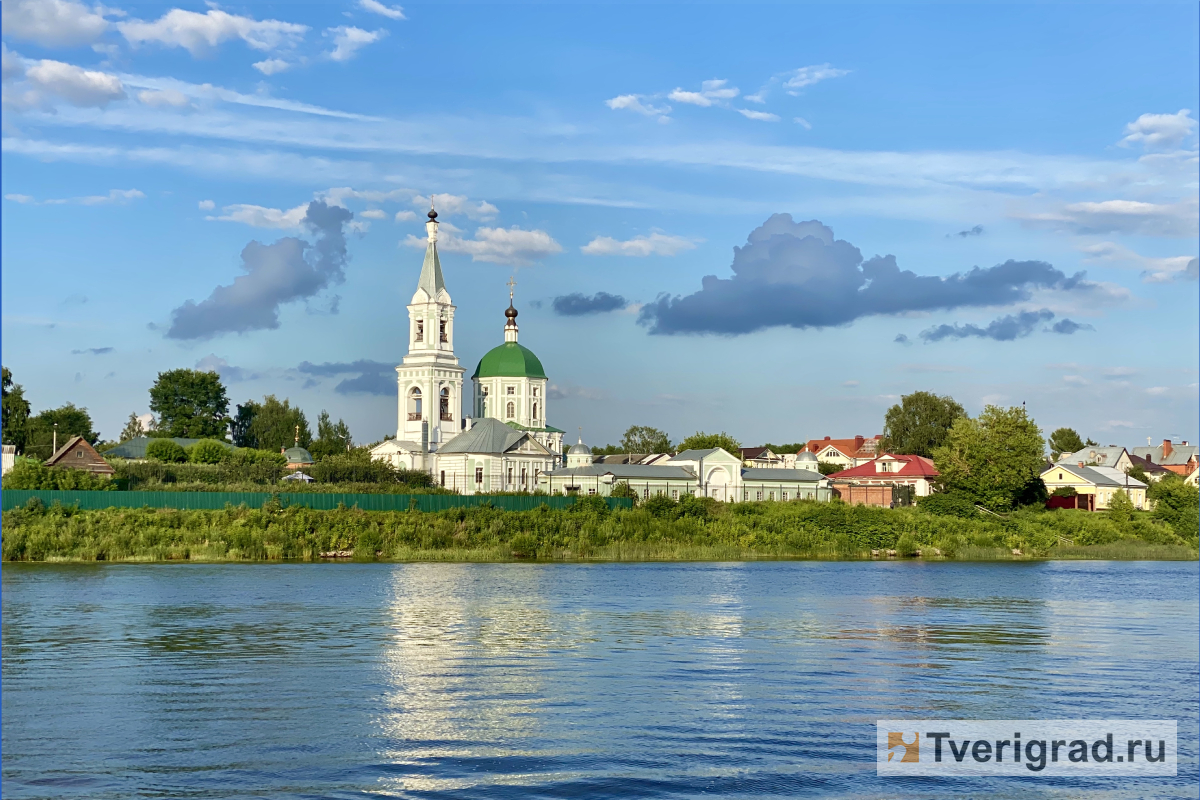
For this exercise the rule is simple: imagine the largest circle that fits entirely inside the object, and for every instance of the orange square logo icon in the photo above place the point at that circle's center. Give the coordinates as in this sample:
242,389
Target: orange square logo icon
911,751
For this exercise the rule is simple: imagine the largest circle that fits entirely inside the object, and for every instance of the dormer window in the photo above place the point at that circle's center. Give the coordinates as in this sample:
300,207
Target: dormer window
420,336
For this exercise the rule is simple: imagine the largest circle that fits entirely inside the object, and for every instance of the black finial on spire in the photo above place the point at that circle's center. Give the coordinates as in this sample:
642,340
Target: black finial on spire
432,212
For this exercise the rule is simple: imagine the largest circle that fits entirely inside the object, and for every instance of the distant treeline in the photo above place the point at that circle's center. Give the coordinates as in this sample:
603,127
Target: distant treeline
659,529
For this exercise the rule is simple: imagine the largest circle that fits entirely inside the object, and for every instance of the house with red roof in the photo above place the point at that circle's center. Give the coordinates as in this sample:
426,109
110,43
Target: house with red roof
845,452
865,483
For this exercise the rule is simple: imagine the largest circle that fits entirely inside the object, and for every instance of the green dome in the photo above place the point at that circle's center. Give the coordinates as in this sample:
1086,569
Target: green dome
510,360
298,455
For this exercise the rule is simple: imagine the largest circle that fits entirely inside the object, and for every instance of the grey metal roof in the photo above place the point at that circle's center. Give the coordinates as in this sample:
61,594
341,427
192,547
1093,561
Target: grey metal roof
695,455
1105,456
579,449
1180,454
486,436
1100,476
773,474
633,472
431,272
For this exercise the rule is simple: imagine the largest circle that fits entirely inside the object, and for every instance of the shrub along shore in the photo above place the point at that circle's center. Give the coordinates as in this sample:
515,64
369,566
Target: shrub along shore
660,529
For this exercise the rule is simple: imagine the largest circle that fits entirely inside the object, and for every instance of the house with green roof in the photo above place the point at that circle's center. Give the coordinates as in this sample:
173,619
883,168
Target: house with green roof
492,457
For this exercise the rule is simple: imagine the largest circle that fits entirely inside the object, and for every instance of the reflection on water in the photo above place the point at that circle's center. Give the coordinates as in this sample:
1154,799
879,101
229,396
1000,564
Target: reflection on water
679,680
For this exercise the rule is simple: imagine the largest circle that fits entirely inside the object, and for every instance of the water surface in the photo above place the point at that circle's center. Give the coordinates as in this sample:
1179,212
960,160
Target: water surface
571,680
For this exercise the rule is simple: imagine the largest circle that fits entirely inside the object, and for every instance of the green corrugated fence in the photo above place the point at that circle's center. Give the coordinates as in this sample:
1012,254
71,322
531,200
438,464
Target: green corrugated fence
15,498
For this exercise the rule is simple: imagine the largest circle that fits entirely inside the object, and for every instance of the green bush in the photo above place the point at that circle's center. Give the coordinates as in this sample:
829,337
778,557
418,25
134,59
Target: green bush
166,451
1064,491
949,504
659,505
30,474
206,451
1177,504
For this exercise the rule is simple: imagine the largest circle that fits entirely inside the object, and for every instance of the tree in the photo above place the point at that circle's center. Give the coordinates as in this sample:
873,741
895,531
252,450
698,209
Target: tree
71,421
643,439
919,424
15,425
623,489
1064,440
794,447
275,425
828,467
239,424
190,404
1176,503
332,438
1138,473
995,459
1120,507
706,441
207,451
166,450
133,428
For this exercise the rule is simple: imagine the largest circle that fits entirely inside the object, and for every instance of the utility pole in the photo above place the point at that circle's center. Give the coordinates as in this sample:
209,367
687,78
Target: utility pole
54,447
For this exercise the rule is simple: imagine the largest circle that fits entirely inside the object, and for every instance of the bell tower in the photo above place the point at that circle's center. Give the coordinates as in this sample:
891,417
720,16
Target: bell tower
429,380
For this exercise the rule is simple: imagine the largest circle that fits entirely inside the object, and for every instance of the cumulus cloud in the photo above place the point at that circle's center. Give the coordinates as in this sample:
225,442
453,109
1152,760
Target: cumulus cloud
200,34
512,246
263,217
655,244
1122,216
271,66
348,40
639,105
229,373
451,205
798,79
1159,131
206,205
370,377
373,213
53,23
761,116
76,85
375,7
405,216
1069,326
714,91
578,305
1004,329
288,270
1154,270
976,231
160,98
796,274
13,68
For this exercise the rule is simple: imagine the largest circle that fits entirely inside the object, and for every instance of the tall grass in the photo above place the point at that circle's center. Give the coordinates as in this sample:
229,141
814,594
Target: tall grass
799,529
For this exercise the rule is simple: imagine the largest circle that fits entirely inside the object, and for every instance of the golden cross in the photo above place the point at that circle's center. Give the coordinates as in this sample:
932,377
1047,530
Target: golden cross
511,283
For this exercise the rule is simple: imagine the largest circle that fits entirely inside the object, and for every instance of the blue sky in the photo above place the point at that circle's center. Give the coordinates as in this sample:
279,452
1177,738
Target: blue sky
612,157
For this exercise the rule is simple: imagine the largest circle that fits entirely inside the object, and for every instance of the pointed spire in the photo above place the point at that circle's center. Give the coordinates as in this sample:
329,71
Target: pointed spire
431,270
510,314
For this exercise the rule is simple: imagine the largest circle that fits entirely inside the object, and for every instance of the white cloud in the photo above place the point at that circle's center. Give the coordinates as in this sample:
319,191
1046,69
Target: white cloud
375,7
53,23
692,98
201,33
159,98
263,217
807,76
803,122
453,204
340,194
13,67
358,226
1075,380
1122,216
405,216
347,40
714,91
761,116
1154,270
633,102
271,66
78,86
373,213
23,199
1159,131
206,205
511,246
114,196
1158,390
656,244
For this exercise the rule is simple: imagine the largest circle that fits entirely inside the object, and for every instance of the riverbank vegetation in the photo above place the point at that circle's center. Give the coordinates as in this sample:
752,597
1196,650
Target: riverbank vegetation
660,529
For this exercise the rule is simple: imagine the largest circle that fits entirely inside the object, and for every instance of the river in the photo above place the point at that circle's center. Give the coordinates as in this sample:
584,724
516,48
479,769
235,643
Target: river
670,680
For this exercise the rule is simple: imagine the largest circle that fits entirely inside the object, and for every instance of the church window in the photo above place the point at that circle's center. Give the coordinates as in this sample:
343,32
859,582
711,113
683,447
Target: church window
442,331
535,411
510,390
535,391
758,495
445,405
785,495
512,410
420,336
479,474
414,404
771,496
674,494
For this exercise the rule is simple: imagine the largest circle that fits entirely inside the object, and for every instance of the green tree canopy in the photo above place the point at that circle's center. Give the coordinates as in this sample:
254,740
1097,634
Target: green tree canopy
15,425
190,404
919,423
275,425
207,451
239,424
780,449
996,459
644,439
705,441
333,438
1064,440
132,429
166,450
71,421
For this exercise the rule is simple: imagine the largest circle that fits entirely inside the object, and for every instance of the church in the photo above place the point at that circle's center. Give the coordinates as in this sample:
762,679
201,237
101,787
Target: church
506,444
